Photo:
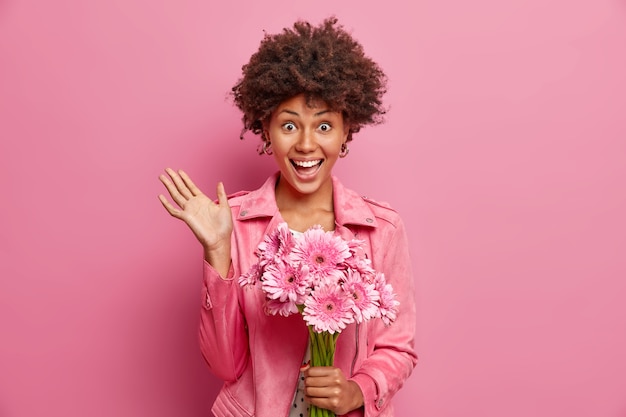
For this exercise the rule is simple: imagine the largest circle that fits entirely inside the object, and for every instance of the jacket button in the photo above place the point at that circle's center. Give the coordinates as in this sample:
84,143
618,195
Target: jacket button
380,403
243,213
369,220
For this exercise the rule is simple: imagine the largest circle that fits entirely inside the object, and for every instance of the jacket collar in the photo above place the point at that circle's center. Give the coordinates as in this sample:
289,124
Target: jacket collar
350,208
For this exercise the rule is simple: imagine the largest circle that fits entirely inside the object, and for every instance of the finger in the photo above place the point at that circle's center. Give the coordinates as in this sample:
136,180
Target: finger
180,184
221,195
169,207
189,183
313,392
322,371
171,188
319,381
318,402
324,402
320,392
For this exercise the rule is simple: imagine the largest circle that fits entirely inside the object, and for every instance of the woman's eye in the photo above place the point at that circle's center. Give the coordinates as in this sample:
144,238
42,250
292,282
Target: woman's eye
289,126
325,127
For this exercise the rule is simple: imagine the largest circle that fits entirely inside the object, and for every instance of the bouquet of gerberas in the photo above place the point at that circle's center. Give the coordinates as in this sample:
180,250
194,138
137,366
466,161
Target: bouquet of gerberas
327,279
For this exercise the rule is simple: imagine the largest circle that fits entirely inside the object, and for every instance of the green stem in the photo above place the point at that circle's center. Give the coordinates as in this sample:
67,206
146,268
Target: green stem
322,354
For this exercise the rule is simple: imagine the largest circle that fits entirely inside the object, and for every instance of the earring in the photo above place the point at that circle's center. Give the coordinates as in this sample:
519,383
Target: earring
267,147
344,150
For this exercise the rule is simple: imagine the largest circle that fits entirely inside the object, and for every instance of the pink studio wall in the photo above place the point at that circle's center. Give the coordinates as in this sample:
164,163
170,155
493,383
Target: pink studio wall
505,151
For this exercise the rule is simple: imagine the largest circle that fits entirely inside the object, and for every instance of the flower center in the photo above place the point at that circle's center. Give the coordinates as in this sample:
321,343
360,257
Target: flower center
329,307
319,259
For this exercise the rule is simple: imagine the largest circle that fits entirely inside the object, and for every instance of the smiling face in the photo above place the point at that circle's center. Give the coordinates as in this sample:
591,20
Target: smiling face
306,140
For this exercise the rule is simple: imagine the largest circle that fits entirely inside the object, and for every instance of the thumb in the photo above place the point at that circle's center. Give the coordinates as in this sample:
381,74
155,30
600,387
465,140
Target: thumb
221,194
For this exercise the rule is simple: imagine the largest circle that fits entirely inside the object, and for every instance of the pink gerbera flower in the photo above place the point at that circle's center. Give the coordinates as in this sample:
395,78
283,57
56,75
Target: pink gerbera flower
284,282
320,251
328,280
286,240
388,305
364,295
328,308
275,245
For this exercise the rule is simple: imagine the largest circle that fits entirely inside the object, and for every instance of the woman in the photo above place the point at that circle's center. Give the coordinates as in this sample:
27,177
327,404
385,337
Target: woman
305,91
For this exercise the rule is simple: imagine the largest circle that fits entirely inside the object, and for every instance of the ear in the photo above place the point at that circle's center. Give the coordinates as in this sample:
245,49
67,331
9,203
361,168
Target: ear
265,132
347,129
347,133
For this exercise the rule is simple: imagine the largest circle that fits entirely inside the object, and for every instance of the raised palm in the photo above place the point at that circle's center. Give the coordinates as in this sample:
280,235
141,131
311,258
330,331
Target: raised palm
210,222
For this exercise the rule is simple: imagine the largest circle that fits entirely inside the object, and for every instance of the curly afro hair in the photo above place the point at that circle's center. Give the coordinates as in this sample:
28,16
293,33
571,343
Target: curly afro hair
323,63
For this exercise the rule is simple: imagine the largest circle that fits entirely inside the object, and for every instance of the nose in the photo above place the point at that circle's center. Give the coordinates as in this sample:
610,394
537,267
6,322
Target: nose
306,141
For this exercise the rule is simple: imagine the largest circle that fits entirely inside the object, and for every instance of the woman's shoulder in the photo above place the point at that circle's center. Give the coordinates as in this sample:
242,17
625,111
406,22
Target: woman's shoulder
355,207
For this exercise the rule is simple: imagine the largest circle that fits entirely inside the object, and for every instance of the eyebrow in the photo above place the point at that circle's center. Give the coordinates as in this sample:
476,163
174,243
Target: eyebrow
296,113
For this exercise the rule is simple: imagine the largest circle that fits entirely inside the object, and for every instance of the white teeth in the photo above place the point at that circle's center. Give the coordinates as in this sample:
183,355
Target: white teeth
306,164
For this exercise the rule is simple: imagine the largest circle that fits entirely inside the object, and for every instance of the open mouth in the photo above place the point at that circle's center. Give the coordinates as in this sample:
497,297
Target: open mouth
306,167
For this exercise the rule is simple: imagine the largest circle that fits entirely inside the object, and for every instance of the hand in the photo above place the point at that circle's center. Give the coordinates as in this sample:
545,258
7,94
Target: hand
211,223
327,387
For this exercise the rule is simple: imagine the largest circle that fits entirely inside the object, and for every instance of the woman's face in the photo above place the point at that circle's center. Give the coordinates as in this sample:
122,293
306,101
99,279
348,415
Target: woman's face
306,141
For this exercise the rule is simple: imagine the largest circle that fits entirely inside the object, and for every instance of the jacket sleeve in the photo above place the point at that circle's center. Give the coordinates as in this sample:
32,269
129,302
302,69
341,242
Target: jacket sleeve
392,348
222,333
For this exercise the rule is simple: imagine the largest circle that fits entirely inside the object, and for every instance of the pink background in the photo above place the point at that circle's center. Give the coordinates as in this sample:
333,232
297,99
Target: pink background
505,152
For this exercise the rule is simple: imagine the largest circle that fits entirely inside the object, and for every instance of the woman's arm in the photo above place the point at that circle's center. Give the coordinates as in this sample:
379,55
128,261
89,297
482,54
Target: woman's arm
223,339
222,332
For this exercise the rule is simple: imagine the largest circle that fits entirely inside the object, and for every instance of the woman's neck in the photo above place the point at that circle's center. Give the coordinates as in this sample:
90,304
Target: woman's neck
301,211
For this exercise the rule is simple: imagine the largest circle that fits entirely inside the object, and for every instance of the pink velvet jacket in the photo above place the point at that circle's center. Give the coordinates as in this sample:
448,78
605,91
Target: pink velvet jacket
259,356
